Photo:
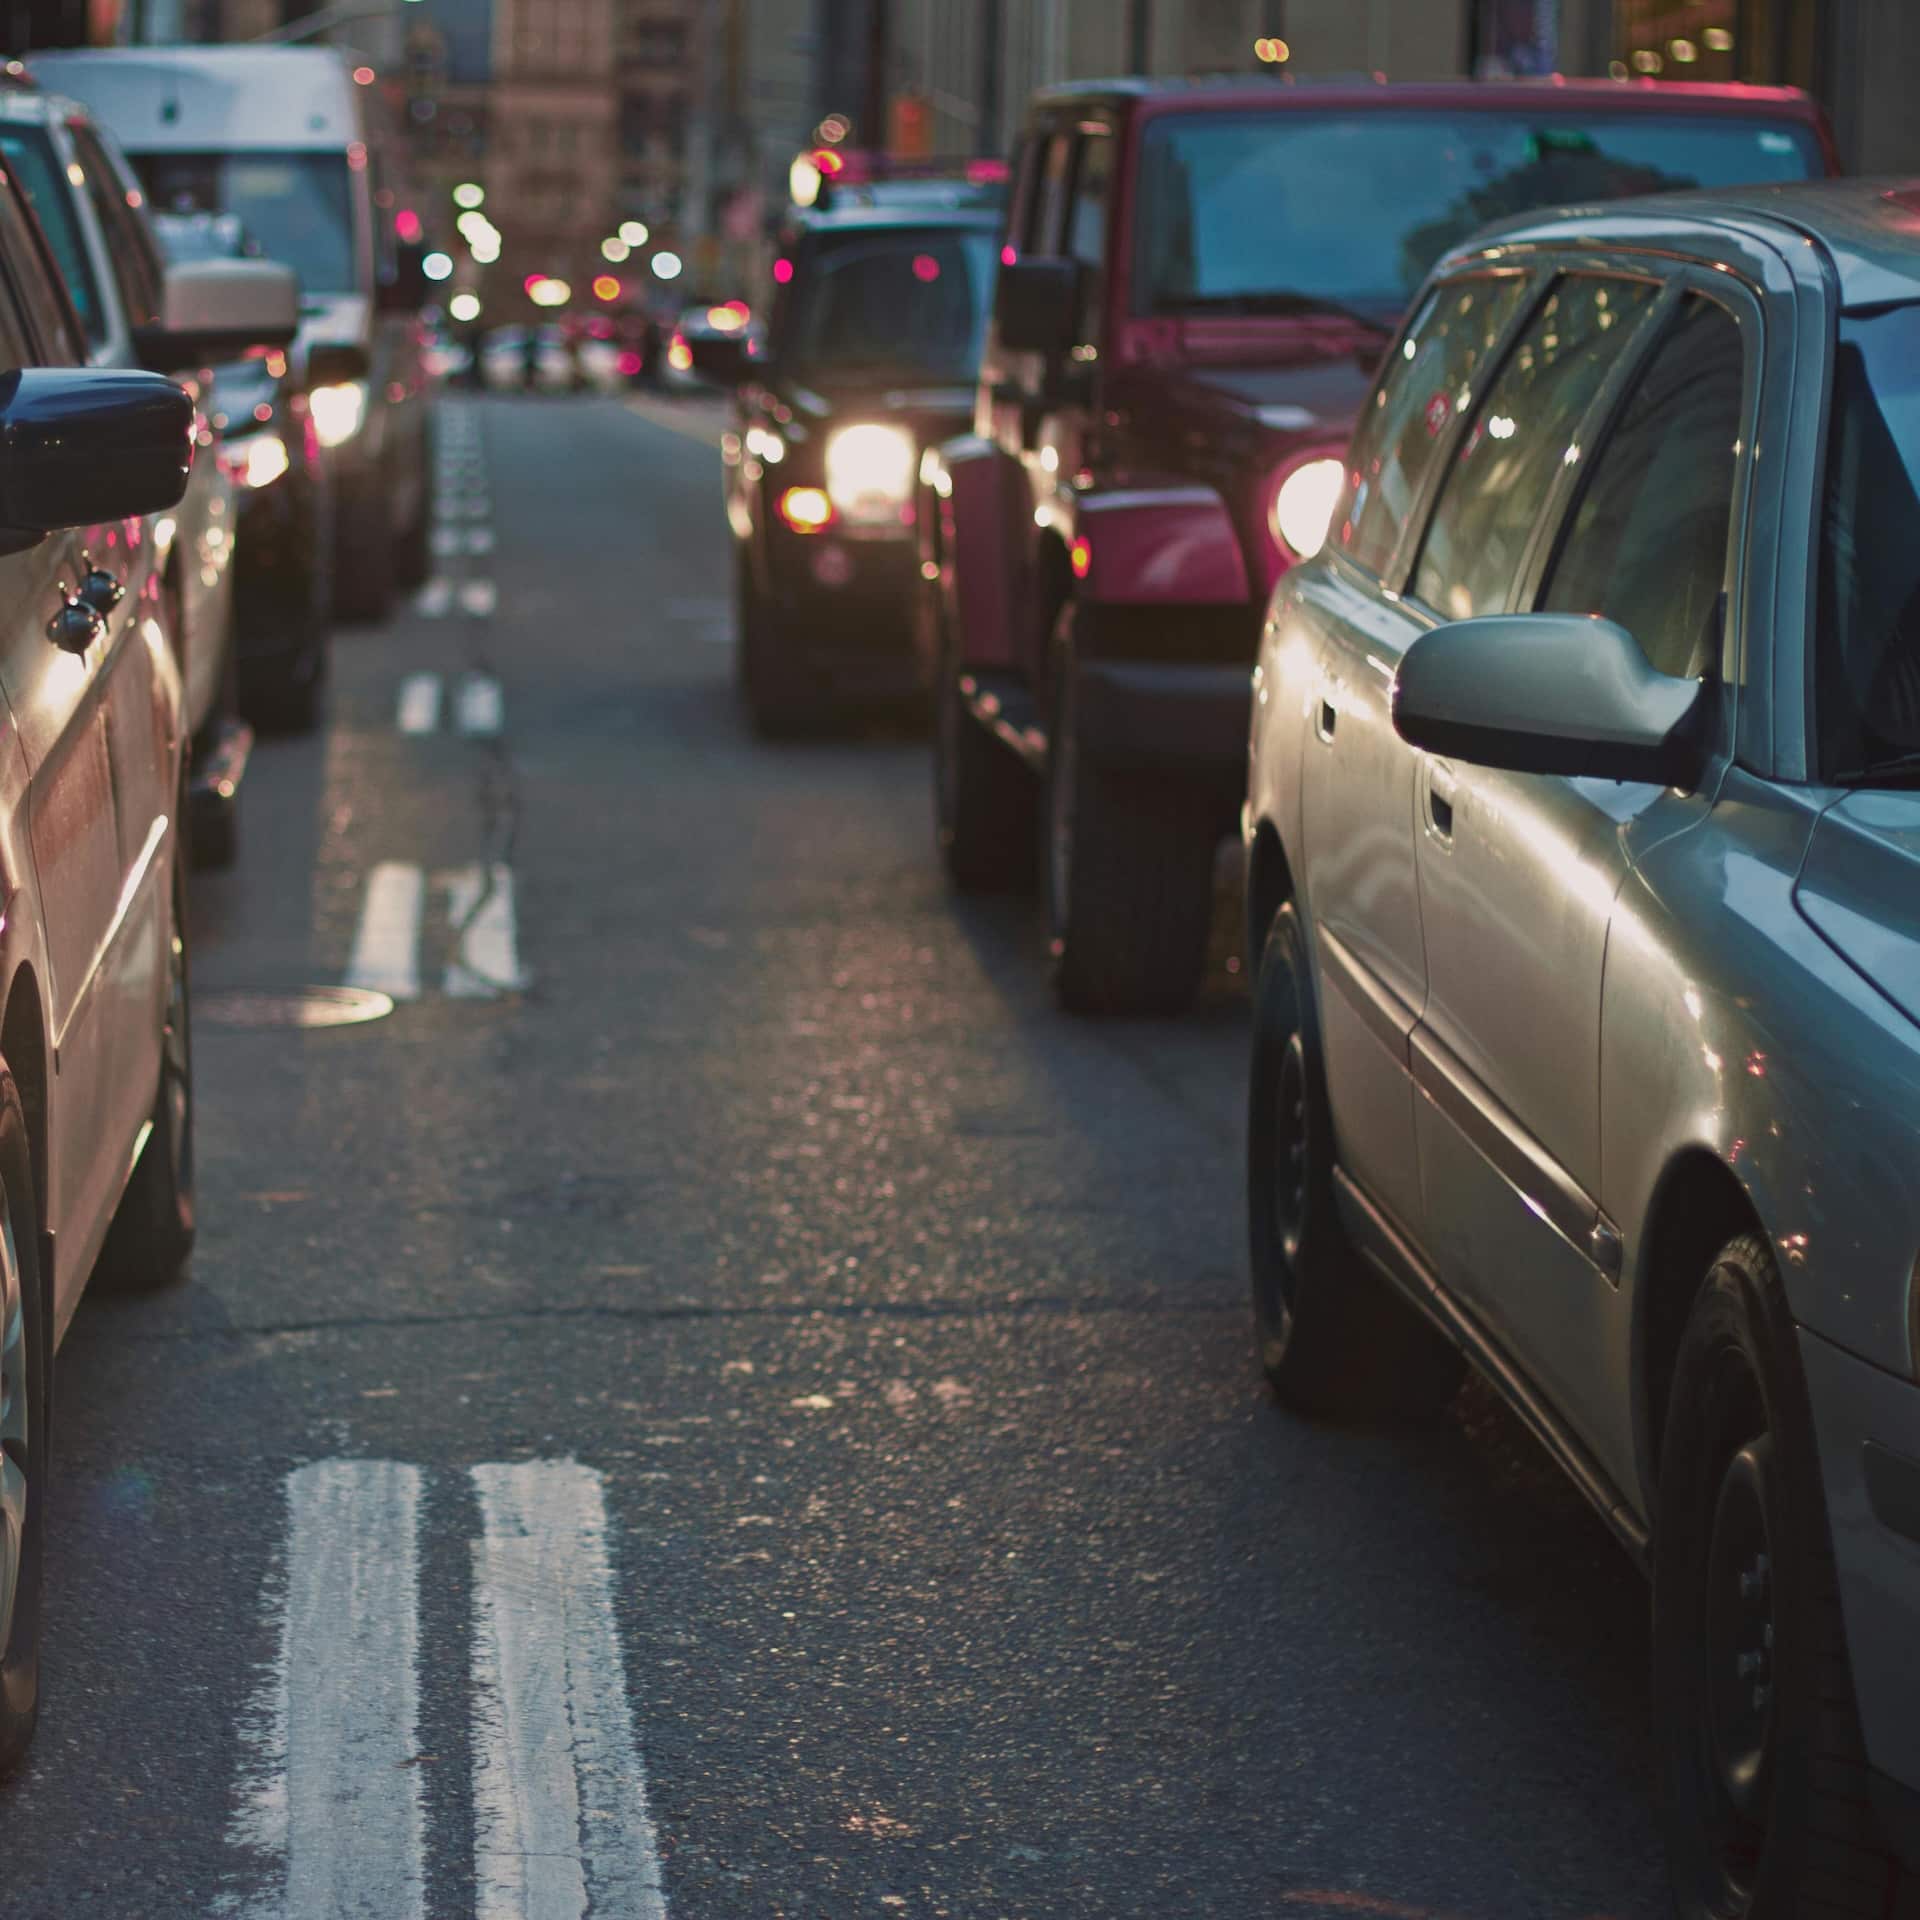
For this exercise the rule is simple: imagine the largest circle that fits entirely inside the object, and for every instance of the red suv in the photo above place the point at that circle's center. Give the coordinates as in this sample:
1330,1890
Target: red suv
1197,281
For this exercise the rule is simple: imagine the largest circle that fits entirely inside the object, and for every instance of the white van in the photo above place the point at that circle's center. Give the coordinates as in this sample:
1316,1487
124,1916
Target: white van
276,137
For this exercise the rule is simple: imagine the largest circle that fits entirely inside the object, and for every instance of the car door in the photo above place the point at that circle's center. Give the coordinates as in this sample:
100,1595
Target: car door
1357,775
1622,412
88,836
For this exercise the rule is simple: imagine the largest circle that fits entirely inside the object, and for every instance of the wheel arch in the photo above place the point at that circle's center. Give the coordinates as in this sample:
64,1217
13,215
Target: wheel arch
1269,887
1698,1206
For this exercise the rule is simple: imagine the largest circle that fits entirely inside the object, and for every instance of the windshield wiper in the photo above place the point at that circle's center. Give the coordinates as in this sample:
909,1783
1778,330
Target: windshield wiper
1308,304
1896,770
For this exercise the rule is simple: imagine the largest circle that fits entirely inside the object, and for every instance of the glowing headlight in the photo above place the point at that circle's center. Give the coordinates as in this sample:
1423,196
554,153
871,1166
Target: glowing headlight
870,472
338,411
266,459
1303,504
765,446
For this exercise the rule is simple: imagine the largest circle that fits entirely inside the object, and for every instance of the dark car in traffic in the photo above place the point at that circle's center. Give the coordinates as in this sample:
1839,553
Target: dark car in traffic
284,513
1199,281
868,358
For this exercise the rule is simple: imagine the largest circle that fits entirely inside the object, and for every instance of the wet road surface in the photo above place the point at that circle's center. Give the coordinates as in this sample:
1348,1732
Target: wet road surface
724,1403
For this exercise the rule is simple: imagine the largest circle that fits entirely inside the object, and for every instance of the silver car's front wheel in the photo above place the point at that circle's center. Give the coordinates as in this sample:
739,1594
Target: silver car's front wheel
1763,1776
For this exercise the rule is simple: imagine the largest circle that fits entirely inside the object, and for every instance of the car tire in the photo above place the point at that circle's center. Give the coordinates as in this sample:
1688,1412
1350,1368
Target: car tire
413,552
1762,1772
363,575
153,1229
984,796
1127,863
779,704
1335,1337
26,1385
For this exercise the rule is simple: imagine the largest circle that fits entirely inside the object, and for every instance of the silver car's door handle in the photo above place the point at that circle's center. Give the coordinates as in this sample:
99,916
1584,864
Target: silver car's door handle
1440,792
1326,710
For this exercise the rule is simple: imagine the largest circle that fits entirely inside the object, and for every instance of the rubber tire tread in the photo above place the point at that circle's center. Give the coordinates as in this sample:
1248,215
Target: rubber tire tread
986,829
20,1688
1131,937
1833,1862
1351,1347
363,578
780,706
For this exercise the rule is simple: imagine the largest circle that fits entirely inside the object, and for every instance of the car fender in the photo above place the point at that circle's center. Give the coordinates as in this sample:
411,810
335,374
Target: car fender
1153,545
1728,1024
973,561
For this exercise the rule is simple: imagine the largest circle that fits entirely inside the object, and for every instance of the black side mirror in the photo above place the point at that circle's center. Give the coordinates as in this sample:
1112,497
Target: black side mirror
1037,306
1566,693
79,446
406,289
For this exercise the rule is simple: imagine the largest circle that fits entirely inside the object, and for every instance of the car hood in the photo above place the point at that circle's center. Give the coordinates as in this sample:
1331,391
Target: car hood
1859,887
1314,395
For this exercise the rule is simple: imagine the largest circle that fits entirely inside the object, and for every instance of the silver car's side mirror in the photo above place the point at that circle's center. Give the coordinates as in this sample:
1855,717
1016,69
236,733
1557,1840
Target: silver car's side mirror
1563,693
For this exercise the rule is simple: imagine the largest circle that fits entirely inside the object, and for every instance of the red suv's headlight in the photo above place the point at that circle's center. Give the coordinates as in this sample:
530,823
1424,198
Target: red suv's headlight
1304,498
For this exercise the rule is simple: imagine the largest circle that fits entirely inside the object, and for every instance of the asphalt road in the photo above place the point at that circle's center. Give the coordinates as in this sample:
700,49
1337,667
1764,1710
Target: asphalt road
725,1403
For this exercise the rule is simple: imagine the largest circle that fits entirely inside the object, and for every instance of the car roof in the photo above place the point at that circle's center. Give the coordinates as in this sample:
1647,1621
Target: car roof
1869,230
1238,93
192,98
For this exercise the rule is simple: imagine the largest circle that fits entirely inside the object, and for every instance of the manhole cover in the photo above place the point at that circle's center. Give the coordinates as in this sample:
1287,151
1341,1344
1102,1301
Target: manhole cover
303,1007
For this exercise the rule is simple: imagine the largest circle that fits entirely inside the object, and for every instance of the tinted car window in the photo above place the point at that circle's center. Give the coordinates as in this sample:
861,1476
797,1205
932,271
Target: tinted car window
1244,213
1525,430
39,289
1405,420
36,170
297,205
136,259
1087,228
1648,542
903,304
1868,667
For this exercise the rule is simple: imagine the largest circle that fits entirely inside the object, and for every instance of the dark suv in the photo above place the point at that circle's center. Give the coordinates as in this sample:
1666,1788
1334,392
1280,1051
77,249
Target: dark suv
1197,282
869,357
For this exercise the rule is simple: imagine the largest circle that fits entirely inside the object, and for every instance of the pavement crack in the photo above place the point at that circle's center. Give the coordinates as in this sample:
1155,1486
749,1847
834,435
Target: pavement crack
1059,1306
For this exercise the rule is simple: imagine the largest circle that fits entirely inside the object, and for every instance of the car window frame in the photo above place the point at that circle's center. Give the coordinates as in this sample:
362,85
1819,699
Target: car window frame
1524,585
1392,578
1095,131
1563,503
33,312
134,256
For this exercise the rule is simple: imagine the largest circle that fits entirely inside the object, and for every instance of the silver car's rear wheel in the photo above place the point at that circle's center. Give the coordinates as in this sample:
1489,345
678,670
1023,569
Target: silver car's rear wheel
24,1384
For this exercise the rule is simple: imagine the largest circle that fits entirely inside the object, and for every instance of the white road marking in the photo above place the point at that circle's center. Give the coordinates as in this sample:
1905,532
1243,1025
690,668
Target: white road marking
478,706
333,1802
420,703
436,597
480,540
487,963
479,597
561,1823
445,541
386,945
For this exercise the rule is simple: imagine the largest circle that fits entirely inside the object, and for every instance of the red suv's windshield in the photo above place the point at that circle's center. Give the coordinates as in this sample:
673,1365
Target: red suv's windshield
1262,212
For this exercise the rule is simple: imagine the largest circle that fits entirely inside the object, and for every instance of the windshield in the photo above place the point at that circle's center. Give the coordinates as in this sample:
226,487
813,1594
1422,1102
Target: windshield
29,152
1354,208
295,207
904,304
1868,678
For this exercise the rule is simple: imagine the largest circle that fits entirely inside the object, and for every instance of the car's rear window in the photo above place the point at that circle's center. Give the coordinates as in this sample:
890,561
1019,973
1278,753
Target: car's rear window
1868,638
897,304
1251,212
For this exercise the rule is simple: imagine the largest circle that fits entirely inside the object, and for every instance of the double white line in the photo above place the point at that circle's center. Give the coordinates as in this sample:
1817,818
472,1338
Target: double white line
480,906
330,1807
478,708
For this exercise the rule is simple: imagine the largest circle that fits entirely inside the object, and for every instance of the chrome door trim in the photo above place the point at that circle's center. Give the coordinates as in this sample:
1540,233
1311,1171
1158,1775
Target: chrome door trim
1385,1249
1544,1186
1379,1009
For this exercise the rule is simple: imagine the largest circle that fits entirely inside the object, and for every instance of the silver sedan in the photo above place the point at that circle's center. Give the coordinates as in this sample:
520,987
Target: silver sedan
1583,838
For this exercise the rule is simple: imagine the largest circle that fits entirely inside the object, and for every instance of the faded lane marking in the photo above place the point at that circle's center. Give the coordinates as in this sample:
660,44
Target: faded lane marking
386,944
420,703
561,1823
487,962
330,1802
434,599
479,598
478,707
